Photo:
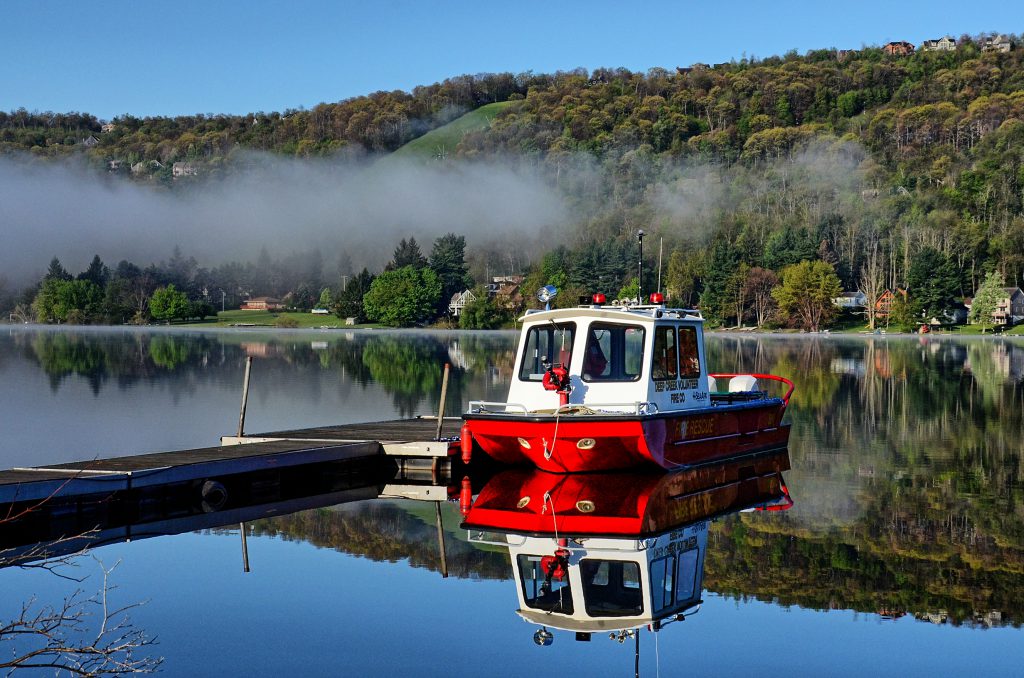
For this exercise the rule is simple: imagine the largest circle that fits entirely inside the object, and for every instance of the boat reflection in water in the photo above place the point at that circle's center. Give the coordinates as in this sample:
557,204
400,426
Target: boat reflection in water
615,553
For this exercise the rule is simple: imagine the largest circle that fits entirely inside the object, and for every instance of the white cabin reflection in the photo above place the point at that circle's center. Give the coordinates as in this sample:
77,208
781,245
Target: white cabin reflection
635,564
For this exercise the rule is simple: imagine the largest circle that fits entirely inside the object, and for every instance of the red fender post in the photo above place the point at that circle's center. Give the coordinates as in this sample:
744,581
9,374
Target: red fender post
465,496
466,442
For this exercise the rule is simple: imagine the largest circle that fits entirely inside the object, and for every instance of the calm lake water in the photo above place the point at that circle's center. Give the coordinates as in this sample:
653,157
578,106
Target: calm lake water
903,553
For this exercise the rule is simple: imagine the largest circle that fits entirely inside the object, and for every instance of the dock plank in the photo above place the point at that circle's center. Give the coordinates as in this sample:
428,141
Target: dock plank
157,468
278,449
395,430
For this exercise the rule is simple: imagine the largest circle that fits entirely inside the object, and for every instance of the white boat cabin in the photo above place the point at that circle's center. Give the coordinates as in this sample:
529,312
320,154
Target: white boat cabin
609,584
635,359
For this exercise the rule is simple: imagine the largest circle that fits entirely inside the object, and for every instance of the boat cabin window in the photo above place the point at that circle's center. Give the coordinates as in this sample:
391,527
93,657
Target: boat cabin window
674,579
550,344
611,588
542,591
613,353
665,360
689,353
686,576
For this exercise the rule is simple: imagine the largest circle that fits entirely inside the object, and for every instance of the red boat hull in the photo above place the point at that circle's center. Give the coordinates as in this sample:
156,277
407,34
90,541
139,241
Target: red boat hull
634,503
573,443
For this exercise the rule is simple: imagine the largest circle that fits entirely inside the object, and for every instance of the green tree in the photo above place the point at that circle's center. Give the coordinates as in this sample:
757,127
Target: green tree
685,268
806,293
57,271
349,303
932,284
167,303
60,300
985,300
481,313
403,297
448,261
901,316
407,254
716,301
630,290
97,272
326,298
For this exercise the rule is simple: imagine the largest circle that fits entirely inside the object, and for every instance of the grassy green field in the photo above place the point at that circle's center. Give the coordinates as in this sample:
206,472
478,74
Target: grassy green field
269,319
445,139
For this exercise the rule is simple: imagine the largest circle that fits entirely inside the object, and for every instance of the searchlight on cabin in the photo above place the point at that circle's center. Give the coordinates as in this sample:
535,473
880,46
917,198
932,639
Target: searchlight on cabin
546,294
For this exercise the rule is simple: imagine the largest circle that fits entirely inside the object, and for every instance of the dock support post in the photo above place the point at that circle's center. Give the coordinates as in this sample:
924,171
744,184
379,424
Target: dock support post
245,546
444,394
245,397
440,540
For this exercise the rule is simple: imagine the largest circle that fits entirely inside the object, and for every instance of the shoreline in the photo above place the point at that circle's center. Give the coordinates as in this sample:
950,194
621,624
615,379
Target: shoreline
284,331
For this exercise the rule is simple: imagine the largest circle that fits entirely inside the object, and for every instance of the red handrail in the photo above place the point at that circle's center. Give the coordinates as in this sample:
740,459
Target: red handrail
785,501
773,377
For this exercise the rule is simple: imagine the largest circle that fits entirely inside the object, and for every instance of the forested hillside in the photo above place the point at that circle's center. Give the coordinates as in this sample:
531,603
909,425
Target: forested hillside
896,171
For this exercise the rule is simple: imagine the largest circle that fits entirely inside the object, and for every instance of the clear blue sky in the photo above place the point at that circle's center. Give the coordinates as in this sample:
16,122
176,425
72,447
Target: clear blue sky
208,56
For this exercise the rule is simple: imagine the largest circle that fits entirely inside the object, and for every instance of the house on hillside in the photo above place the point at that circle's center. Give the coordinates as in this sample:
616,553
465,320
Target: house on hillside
90,141
1009,309
459,301
944,44
506,292
954,315
142,166
184,169
851,301
262,304
884,304
997,43
900,48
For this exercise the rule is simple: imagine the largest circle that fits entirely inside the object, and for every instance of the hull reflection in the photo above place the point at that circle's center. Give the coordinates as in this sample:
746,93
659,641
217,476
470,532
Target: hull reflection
613,553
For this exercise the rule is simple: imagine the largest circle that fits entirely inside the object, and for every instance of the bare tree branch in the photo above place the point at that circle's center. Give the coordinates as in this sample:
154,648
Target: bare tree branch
83,634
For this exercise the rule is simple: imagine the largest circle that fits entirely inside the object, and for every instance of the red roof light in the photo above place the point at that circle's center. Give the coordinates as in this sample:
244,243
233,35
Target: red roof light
599,299
657,298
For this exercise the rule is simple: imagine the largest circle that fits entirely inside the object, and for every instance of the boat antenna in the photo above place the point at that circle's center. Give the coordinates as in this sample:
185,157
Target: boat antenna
640,269
661,251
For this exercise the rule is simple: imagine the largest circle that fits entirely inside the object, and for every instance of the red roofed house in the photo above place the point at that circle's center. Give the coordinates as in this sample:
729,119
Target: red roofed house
262,304
900,48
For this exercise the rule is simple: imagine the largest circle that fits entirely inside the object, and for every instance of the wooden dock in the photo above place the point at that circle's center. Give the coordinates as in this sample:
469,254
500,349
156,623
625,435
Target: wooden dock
397,438
411,442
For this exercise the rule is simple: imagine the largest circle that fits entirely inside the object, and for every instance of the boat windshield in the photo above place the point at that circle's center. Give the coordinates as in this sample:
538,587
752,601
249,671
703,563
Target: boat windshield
674,579
665,360
551,344
613,353
611,588
541,591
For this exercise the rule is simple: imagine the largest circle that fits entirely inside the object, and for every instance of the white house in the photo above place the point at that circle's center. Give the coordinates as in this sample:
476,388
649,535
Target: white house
459,301
851,300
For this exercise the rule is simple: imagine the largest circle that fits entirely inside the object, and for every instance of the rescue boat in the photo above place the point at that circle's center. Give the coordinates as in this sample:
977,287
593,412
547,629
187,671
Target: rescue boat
607,386
616,552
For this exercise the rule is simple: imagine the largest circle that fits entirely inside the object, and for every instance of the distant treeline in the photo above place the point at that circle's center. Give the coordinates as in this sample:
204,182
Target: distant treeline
879,166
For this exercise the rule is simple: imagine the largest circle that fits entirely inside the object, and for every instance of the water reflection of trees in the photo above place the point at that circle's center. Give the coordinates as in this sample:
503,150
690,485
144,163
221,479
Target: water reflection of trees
124,358
906,458
906,453
409,366
387,532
